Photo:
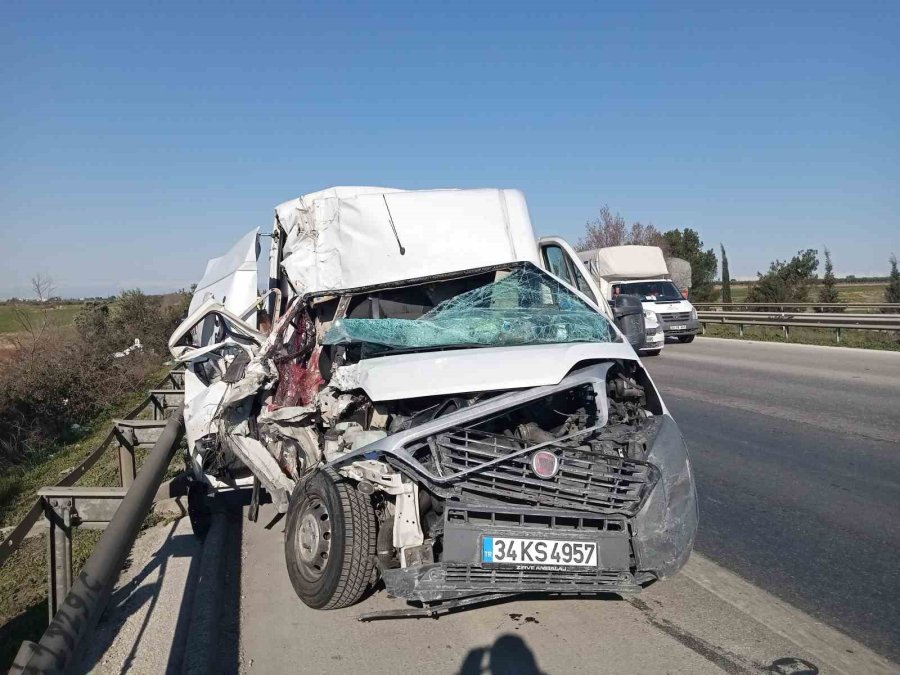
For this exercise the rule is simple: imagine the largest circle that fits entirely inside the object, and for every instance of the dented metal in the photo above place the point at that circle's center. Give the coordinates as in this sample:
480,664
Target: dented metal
338,378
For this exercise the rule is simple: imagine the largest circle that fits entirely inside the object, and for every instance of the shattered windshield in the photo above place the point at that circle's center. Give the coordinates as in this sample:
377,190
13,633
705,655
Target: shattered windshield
524,307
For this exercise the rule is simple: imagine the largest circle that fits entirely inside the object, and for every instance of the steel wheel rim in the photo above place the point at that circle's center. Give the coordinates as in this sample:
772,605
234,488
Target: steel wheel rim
313,539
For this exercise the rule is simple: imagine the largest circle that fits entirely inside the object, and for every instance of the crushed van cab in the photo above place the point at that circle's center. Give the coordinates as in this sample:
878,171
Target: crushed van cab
431,407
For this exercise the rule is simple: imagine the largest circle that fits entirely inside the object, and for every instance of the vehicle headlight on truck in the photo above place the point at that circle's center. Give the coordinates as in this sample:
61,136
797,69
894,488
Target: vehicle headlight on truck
650,315
693,314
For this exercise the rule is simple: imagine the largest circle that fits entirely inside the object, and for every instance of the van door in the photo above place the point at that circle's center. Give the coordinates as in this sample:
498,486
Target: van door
221,326
560,259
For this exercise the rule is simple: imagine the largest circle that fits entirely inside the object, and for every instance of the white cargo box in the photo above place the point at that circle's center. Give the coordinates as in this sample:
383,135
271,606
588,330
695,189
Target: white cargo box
626,262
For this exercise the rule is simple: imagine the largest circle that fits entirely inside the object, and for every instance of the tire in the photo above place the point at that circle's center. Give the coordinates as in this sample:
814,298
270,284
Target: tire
686,338
651,352
329,544
199,511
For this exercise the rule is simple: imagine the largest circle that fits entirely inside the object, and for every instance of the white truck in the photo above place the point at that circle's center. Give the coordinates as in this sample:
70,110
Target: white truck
642,271
432,407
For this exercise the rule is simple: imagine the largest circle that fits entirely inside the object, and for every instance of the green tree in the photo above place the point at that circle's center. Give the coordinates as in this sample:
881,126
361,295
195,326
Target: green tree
892,292
687,244
726,277
828,293
786,282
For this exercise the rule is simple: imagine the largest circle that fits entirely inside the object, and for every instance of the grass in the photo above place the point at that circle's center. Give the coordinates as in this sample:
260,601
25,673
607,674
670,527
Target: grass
23,578
59,315
864,339
847,292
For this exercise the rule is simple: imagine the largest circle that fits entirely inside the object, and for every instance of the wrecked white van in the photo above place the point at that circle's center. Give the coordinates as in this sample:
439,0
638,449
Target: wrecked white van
431,407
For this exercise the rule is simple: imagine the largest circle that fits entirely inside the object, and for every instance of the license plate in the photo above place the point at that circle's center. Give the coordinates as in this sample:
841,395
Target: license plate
678,327
538,552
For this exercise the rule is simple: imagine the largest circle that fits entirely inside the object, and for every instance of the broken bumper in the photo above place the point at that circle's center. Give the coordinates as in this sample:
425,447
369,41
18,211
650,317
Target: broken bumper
654,543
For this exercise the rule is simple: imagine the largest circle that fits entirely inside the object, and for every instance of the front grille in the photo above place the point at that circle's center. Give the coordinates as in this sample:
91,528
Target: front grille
586,481
471,577
674,317
547,520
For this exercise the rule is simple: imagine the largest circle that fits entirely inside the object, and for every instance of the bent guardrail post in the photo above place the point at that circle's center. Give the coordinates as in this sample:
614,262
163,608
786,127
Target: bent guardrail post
58,512
60,646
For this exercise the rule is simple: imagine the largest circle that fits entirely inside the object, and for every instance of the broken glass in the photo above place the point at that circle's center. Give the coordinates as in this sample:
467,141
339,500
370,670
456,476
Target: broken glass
525,307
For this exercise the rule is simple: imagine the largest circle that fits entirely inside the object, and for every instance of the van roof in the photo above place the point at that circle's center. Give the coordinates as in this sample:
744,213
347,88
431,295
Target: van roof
353,237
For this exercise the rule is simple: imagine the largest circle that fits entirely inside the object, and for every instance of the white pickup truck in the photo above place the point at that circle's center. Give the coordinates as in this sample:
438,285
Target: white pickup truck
642,271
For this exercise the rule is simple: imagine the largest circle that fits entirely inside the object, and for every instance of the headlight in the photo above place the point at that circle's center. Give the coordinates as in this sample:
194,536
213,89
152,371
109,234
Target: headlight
693,314
650,315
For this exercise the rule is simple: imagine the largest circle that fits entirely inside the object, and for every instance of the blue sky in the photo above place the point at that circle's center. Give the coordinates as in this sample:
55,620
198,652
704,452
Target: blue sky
140,139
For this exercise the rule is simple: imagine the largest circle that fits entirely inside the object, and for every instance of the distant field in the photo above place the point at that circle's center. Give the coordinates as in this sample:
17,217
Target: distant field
858,292
59,315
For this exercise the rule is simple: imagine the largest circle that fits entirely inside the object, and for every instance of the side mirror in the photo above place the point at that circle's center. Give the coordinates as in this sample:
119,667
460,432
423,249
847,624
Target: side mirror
629,313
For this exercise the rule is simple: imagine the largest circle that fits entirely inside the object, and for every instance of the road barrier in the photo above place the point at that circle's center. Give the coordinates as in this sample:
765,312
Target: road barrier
75,606
886,307
799,318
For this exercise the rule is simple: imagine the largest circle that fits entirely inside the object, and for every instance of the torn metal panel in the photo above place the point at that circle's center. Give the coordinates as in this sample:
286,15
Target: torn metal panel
253,453
352,237
231,279
438,395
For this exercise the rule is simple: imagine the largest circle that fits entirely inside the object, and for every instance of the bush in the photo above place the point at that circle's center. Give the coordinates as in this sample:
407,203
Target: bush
133,315
56,378
786,282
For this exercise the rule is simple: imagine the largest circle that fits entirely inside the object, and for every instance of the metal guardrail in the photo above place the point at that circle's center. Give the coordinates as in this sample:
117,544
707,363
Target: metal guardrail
61,645
161,401
800,319
67,506
792,306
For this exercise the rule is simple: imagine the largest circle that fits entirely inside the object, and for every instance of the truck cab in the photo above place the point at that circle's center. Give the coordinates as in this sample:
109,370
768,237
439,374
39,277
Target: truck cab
642,271
662,297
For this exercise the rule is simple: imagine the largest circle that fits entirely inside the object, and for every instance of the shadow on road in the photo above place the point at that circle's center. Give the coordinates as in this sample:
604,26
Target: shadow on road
134,597
228,638
508,655
198,622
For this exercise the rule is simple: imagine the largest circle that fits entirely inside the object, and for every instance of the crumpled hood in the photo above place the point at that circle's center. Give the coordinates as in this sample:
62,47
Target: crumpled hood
469,370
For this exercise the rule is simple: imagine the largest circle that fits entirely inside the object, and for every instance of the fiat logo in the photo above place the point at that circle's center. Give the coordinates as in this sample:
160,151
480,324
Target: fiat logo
544,464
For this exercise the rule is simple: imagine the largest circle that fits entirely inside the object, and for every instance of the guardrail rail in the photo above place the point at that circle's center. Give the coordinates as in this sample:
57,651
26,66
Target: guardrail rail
75,605
801,315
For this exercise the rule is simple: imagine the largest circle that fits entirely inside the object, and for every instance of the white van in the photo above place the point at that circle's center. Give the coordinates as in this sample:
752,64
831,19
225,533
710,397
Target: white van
432,407
642,271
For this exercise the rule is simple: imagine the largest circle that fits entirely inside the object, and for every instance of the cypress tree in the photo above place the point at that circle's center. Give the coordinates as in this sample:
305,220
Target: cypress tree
726,277
892,292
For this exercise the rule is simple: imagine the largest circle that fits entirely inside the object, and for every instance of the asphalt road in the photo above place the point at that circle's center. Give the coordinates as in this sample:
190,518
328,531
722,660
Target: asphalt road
795,454
797,457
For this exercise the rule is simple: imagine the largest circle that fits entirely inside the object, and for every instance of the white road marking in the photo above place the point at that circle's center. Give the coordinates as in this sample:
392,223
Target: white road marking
831,646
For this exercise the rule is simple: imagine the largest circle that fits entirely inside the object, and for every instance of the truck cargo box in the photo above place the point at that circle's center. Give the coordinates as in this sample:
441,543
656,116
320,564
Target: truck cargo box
626,262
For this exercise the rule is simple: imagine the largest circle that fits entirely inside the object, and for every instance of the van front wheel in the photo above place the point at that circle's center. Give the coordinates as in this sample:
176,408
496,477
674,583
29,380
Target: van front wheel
329,541
686,338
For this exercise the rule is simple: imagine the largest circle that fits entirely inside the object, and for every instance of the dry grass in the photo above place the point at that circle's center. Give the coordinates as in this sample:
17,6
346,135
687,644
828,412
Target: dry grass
863,339
847,292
